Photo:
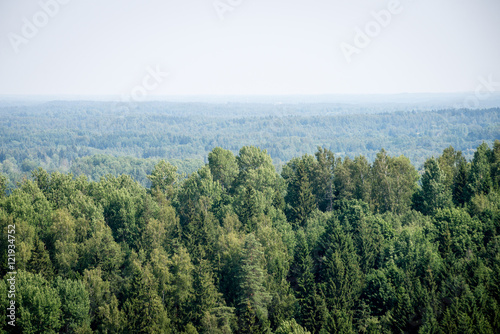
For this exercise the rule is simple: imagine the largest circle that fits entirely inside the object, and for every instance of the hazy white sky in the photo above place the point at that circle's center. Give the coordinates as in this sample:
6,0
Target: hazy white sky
117,47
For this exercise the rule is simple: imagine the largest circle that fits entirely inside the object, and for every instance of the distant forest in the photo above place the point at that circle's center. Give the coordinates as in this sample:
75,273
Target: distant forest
100,138
328,245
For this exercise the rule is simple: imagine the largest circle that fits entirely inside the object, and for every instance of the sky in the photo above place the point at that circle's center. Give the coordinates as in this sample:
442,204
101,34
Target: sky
148,48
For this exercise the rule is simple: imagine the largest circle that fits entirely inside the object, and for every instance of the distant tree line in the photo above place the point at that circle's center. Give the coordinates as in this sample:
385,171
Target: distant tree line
73,136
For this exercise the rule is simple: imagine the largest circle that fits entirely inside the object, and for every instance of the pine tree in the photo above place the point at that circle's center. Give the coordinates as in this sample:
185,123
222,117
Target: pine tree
253,297
322,179
312,308
495,165
434,193
480,173
3,185
75,305
249,209
300,198
460,183
207,298
340,270
343,179
40,260
248,322
361,178
38,305
144,308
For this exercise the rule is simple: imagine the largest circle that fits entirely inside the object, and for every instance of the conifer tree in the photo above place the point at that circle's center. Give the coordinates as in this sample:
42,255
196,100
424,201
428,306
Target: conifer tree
361,178
434,193
181,295
253,296
480,173
343,179
75,305
300,199
38,304
460,183
144,308
249,209
340,271
248,322
3,185
322,179
290,327
40,260
495,165
312,315
207,298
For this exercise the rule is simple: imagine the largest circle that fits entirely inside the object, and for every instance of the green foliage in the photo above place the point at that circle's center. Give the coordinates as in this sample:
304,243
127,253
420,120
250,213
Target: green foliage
122,200
340,270
480,173
435,194
93,139
28,203
223,166
62,240
291,327
449,161
207,298
458,233
101,250
379,294
311,304
39,305
75,305
394,183
322,178
330,246
181,297
3,185
495,165
163,177
253,297
460,185
249,208
255,168
113,319
40,260
144,309
96,166
300,198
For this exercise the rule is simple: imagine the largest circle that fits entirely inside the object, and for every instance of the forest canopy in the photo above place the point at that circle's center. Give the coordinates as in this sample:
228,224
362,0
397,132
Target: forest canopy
330,244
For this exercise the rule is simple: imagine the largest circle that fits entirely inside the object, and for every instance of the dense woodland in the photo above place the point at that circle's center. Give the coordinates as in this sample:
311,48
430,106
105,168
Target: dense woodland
75,136
329,245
